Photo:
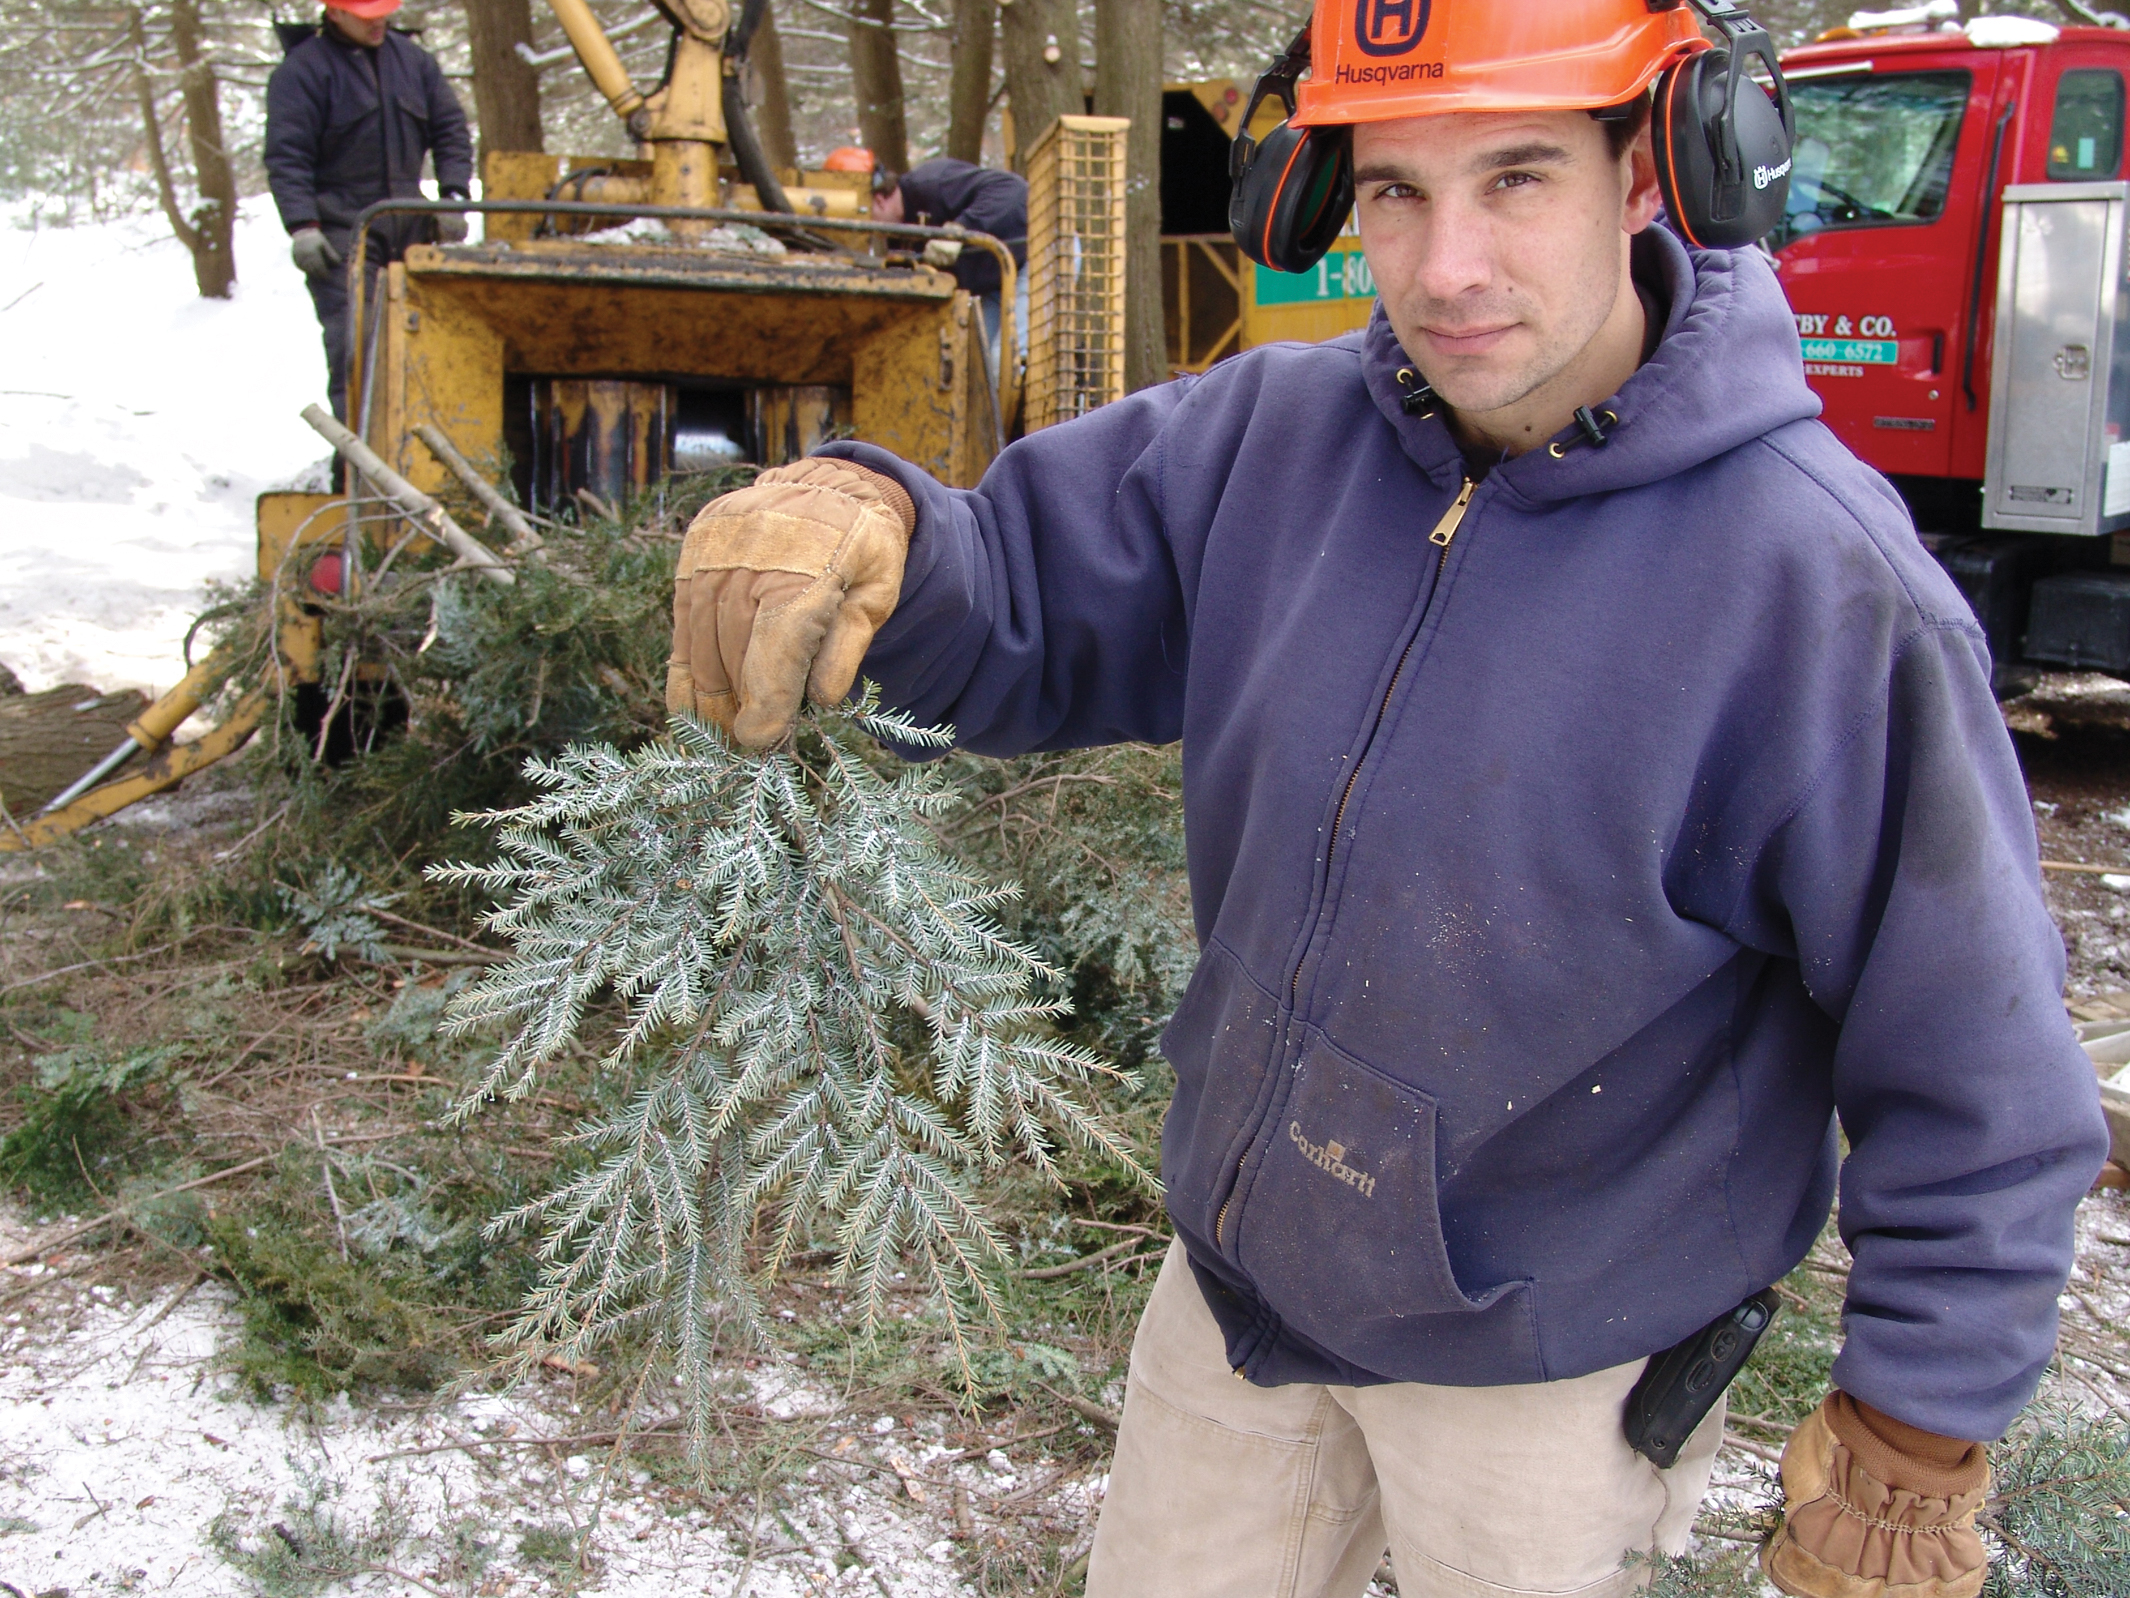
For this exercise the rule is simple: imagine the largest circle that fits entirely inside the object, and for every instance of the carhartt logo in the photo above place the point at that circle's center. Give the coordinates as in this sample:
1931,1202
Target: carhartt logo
1331,1157
1389,27
1764,175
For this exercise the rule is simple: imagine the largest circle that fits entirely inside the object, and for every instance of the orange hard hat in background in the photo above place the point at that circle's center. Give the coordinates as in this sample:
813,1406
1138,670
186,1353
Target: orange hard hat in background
848,159
1376,60
368,10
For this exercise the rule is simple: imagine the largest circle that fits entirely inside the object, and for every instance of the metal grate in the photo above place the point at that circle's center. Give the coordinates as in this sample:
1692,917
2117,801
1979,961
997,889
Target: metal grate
1075,269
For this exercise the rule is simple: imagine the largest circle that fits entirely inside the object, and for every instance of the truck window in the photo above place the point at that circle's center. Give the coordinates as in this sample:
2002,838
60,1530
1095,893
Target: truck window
2086,134
1872,150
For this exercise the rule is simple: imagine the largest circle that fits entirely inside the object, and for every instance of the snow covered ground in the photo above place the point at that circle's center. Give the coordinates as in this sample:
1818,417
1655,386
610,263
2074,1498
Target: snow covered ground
137,423
130,1462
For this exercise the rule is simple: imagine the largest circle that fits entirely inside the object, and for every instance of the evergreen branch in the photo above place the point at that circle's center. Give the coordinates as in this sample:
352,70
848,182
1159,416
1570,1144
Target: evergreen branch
819,1014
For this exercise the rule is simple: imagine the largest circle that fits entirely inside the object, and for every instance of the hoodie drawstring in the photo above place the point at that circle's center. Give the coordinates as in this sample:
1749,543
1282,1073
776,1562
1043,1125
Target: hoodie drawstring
1594,432
1415,397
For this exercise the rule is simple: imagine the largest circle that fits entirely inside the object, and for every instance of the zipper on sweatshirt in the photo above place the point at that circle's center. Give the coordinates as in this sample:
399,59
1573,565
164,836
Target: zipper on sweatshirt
1443,535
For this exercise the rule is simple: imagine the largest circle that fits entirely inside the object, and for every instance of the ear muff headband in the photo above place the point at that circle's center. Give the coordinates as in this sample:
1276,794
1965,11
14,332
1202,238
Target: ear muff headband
1723,150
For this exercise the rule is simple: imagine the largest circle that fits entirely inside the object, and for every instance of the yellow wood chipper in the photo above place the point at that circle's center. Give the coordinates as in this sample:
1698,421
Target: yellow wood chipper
620,321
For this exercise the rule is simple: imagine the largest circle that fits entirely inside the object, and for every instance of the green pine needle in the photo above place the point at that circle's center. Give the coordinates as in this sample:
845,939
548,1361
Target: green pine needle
2058,1518
824,1025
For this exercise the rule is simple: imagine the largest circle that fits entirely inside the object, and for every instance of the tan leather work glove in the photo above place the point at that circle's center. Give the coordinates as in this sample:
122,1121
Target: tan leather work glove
780,589
1874,1508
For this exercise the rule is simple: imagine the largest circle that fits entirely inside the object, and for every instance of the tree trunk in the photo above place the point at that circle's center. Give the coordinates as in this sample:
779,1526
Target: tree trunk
506,87
1041,89
152,132
876,75
1128,84
214,219
772,101
969,88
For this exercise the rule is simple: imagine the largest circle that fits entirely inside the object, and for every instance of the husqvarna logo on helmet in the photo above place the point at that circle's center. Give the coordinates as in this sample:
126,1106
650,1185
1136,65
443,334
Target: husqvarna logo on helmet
1389,27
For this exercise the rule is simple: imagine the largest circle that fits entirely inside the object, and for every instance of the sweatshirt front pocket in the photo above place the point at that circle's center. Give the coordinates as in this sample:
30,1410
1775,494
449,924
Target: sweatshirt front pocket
1339,1228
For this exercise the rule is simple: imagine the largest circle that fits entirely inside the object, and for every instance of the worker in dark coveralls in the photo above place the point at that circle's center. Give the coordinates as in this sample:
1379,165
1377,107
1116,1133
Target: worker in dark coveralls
983,199
1595,808
350,113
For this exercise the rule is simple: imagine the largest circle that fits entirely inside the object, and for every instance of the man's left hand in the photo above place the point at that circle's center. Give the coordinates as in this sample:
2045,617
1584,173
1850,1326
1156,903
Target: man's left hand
1875,1508
450,227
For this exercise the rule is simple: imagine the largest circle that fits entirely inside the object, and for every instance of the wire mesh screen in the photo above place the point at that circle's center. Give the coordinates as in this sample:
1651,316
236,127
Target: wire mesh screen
1075,269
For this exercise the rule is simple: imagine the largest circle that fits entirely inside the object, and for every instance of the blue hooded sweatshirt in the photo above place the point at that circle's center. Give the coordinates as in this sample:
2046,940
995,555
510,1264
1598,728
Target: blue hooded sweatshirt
1559,885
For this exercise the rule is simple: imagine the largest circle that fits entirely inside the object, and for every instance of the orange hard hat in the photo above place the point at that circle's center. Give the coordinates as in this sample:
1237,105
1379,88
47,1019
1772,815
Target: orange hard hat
1377,60
368,10
848,159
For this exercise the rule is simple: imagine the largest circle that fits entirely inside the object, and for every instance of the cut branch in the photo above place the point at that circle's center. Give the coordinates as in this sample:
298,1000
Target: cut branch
408,500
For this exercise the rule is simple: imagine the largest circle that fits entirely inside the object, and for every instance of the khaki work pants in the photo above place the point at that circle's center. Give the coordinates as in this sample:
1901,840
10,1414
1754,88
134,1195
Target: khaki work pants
1228,1490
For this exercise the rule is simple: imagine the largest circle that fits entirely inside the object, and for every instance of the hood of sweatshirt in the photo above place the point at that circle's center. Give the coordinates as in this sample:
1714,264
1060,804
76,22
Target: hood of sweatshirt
1683,406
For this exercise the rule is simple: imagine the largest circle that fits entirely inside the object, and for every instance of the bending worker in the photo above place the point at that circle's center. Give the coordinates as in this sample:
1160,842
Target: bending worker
1594,798
983,199
350,113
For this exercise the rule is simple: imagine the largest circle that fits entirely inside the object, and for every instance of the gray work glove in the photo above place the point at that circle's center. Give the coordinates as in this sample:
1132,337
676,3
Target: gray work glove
313,252
450,228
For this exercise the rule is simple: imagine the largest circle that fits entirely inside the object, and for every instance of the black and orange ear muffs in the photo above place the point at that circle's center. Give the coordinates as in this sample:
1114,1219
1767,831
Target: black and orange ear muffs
1722,144
1292,192
1294,197
1722,152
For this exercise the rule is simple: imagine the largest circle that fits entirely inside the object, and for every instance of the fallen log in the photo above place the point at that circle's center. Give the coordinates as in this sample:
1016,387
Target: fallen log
48,739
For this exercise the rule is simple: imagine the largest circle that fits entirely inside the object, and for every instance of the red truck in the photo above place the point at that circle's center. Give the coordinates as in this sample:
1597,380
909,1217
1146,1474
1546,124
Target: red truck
1954,251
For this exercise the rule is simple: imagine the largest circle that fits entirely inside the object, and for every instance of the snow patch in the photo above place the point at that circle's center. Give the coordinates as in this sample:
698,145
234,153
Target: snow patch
122,1449
138,422
786,1395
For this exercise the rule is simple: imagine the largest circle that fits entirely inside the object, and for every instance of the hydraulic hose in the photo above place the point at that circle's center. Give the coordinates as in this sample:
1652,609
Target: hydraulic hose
747,152
742,33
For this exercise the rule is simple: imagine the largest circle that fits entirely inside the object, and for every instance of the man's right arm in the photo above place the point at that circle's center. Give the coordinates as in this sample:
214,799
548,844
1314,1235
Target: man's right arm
1048,607
293,122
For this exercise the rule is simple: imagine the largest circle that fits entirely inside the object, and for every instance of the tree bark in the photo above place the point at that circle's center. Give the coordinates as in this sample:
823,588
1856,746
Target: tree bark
506,87
152,132
876,75
1128,84
969,87
1041,90
772,100
214,219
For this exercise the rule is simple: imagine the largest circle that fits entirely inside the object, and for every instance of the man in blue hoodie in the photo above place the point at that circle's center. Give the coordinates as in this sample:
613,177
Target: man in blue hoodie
1587,817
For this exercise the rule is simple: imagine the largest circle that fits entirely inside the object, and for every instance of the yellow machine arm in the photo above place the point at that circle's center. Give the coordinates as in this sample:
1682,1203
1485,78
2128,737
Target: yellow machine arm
168,765
602,63
683,119
84,802
290,525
